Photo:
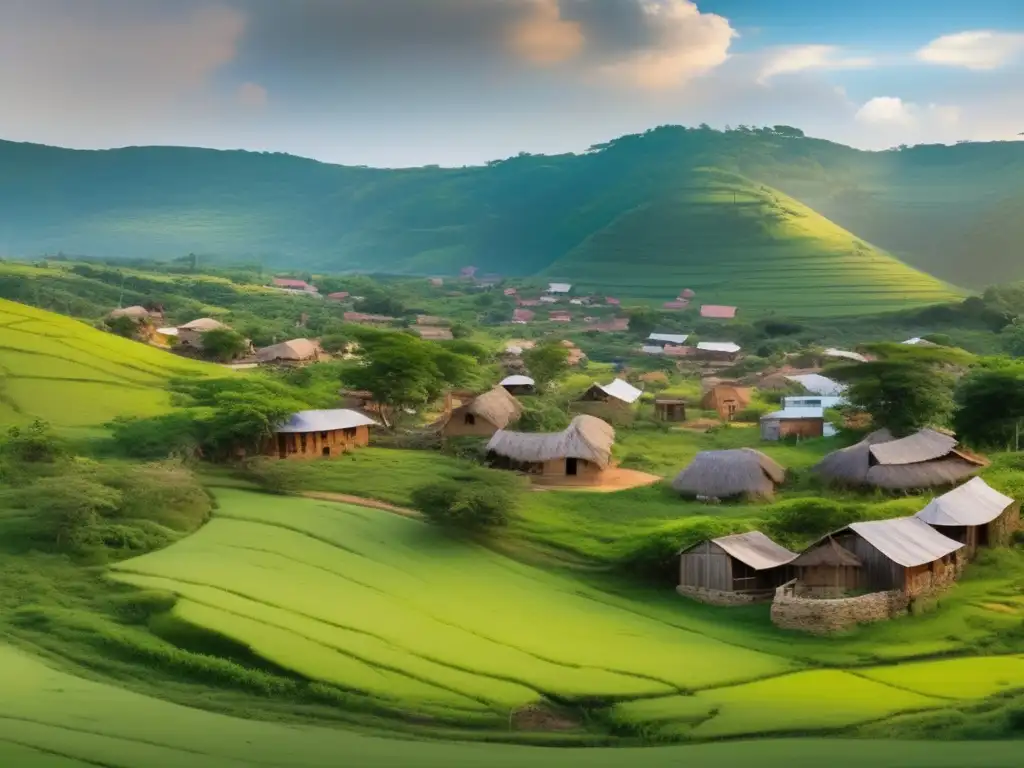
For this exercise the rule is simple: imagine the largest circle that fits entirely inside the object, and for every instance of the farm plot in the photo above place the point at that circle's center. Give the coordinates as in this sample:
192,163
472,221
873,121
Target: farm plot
50,719
63,371
364,600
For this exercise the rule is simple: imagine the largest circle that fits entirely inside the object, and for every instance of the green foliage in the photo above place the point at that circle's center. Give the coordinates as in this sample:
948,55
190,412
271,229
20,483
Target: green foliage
35,444
542,414
1012,338
271,475
224,344
401,372
546,362
990,406
122,326
179,433
469,502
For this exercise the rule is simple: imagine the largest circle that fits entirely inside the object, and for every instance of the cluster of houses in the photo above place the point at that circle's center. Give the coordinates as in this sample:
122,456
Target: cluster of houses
528,309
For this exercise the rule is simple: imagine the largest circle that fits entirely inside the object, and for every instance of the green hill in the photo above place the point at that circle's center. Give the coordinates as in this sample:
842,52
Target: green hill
64,372
947,211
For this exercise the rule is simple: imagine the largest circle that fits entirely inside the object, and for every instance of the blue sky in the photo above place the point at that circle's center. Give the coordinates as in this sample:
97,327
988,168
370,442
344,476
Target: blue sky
453,82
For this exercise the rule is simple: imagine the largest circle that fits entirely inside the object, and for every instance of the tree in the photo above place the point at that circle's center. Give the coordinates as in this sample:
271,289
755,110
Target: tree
990,407
546,362
122,326
400,372
473,501
642,322
246,421
224,344
1012,337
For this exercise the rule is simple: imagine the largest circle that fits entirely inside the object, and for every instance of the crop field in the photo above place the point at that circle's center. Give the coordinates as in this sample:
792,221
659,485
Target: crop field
71,375
735,242
50,719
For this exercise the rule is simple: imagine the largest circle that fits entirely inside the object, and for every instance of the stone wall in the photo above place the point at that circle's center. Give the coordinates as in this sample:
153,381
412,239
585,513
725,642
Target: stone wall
718,597
823,616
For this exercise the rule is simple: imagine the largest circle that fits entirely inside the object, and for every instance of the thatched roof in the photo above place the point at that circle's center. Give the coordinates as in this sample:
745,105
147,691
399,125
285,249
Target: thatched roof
973,503
928,474
495,406
135,313
851,465
925,445
296,349
827,552
724,474
753,549
587,437
203,324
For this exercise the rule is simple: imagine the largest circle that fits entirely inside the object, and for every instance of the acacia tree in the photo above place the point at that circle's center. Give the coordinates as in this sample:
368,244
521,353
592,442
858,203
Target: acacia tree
400,372
546,362
990,407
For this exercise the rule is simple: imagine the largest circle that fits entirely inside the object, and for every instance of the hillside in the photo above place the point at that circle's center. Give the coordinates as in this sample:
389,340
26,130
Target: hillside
64,372
948,211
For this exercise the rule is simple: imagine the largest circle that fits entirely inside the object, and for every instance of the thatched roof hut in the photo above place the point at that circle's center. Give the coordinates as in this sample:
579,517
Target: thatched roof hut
483,415
294,351
726,474
587,438
926,459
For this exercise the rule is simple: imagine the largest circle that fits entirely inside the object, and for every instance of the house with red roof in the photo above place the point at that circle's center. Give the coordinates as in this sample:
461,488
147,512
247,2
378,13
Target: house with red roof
338,296
287,284
676,306
612,302
560,316
522,316
717,312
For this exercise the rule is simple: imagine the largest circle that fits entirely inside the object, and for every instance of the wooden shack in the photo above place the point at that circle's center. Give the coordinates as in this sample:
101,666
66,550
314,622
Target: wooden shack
975,514
582,451
904,554
618,393
745,567
793,422
320,434
672,409
827,570
726,398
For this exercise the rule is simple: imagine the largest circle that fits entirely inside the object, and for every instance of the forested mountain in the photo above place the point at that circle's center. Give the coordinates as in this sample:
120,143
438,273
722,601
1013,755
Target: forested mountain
734,213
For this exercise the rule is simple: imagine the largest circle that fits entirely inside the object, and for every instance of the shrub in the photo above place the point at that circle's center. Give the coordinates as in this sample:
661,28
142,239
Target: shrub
271,475
654,555
802,520
35,444
470,502
158,437
541,415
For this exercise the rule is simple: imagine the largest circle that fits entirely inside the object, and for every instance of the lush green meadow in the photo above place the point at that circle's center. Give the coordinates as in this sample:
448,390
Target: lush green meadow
64,372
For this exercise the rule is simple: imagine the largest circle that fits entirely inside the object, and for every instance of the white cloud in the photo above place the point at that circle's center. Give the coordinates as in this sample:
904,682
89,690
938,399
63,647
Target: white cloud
543,37
977,50
687,43
800,58
252,95
886,110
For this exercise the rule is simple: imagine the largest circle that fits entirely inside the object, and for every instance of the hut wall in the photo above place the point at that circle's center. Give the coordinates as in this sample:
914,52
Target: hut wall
793,610
315,445
615,412
878,572
190,338
519,389
1000,531
674,412
459,426
828,580
558,468
802,427
706,566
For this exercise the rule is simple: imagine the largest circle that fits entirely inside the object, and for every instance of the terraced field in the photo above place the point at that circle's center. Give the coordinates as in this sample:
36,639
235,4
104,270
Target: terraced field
735,242
387,608
71,375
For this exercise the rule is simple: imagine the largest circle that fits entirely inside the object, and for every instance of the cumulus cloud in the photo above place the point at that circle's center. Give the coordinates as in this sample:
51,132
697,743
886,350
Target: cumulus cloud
801,58
252,95
977,50
894,111
544,37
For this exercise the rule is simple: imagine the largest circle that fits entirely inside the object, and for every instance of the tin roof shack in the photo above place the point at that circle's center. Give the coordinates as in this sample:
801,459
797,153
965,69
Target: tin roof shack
316,434
296,352
733,570
925,459
662,339
483,415
727,398
975,514
718,351
517,384
739,472
670,409
816,384
612,402
580,453
800,423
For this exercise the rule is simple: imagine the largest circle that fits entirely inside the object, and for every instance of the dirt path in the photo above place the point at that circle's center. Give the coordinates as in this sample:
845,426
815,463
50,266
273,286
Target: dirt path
359,501
612,480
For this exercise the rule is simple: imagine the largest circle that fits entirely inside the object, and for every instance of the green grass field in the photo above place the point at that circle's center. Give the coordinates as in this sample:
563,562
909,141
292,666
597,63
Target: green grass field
741,243
71,375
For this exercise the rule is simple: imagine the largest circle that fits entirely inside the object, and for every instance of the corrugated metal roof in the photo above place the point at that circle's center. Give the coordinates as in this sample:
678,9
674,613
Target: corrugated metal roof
325,421
650,349
559,287
845,355
621,390
517,380
671,338
925,445
718,346
756,550
817,384
812,401
790,413
973,503
908,541
167,331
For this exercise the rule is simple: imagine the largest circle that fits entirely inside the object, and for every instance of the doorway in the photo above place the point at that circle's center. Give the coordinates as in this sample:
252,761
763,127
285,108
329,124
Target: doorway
282,446
572,467
326,451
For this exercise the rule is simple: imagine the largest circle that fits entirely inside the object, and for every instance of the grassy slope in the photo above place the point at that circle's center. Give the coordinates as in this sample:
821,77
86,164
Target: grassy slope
71,375
53,720
737,242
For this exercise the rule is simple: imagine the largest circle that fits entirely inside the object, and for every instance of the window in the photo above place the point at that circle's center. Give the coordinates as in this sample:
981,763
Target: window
470,419
323,435
350,433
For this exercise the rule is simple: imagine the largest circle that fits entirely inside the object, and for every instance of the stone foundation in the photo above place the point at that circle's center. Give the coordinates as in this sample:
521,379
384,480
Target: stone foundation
717,597
824,616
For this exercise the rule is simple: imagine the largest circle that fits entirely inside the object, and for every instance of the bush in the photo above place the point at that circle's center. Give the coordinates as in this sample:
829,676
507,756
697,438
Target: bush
541,415
470,502
271,475
159,437
655,555
802,520
35,444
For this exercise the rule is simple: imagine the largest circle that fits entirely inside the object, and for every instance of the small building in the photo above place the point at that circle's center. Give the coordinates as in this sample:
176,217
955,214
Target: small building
816,384
320,434
726,398
521,302
432,333
730,570
294,286
718,312
975,514
904,554
483,415
518,384
360,318
612,302
670,409
663,339
718,351
717,475
813,401
559,288
925,459
338,296
560,316
652,349
793,422
618,392
191,334
675,306
582,451
522,316
295,353
431,320
615,325
687,293
842,354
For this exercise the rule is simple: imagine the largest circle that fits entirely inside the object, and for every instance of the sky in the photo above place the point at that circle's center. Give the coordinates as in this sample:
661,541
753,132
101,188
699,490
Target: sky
397,83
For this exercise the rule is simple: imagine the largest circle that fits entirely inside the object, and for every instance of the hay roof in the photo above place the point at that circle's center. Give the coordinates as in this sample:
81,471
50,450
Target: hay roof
296,349
496,406
973,503
135,313
203,324
587,437
724,474
925,445
927,474
827,552
754,549
850,465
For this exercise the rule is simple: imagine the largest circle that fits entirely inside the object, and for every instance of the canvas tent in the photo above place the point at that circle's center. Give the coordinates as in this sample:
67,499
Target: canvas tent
483,415
975,514
583,449
748,564
925,459
730,473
